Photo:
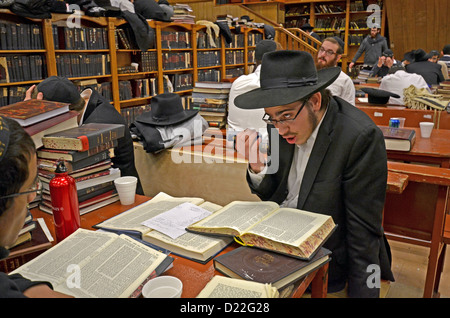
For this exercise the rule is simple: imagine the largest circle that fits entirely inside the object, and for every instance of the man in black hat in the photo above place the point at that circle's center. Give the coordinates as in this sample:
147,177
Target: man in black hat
385,62
308,28
431,72
324,156
91,108
372,47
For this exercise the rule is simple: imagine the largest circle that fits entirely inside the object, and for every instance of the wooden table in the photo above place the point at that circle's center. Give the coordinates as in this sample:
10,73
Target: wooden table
433,150
193,274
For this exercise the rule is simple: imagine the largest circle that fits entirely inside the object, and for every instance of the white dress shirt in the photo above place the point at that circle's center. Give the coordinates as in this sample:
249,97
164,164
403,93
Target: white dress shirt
344,88
397,82
240,119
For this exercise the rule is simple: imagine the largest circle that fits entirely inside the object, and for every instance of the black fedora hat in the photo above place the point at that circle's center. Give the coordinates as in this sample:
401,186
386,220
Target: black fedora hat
378,96
286,76
420,55
166,109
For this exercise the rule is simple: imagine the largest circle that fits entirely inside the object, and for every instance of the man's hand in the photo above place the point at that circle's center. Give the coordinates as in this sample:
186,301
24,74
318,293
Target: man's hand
350,66
381,61
248,145
29,93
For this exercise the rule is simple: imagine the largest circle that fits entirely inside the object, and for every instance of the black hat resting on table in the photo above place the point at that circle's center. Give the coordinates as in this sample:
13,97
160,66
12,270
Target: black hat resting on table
287,76
378,96
166,109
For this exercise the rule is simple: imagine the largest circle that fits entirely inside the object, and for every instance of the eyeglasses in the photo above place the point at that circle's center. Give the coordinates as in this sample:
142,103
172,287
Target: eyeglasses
327,52
286,117
36,189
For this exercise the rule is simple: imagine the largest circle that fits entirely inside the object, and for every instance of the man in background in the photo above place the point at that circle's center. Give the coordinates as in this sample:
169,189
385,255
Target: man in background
431,72
91,108
385,62
329,55
372,47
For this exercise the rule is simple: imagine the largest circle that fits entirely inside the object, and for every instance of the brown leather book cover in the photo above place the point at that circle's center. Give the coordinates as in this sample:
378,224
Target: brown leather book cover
267,267
31,108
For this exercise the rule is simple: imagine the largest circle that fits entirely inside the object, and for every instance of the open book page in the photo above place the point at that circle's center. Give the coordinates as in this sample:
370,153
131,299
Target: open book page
297,228
51,266
235,217
189,241
132,219
226,287
112,270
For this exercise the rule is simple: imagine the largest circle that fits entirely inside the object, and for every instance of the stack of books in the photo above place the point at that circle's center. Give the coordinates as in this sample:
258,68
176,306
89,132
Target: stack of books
183,14
444,89
86,152
211,100
40,117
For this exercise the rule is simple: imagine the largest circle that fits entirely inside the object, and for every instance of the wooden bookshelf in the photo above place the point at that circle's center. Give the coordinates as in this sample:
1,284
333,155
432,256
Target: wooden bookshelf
345,18
63,45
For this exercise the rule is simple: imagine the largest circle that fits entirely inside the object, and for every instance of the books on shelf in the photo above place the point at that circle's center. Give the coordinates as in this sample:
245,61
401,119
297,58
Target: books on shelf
84,137
248,222
138,262
226,287
197,247
32,111
400,139
266,267
51,125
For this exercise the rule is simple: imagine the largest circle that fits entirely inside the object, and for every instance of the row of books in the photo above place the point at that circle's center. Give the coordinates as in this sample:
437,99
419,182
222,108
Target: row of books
21,68
125,39
80,38
296,23
234,72
328,8
137,88
175,40
204,41
181,82
234,57
254,38
296,11
211,100
208,75
131,113
356,39
358,24
237,41
12,94
176,60
208,58
78,65
148,61
330,23
21,36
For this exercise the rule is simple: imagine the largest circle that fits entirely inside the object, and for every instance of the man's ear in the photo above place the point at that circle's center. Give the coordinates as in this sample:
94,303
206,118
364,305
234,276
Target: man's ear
316,101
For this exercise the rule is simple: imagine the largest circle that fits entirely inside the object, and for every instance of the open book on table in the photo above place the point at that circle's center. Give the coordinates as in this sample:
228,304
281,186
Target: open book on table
97,264
265,225
194,246
226,287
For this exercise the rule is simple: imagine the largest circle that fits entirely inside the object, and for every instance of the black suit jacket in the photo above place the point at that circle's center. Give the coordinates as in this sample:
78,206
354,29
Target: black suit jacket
99,110
345,177
431,72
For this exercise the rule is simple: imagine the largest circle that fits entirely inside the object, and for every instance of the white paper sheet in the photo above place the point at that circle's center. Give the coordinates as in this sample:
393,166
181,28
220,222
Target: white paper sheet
173,222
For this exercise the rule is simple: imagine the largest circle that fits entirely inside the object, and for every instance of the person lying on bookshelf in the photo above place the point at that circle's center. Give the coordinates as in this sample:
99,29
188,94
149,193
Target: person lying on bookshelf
325,156
18,168
92,108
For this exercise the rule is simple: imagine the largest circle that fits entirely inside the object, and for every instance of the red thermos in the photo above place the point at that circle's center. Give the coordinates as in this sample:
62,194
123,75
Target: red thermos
63,193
